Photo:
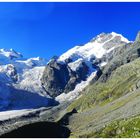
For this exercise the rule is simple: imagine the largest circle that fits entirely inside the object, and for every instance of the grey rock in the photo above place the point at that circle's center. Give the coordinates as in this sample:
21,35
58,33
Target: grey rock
58,77
55,78
138,37
13,73
120,56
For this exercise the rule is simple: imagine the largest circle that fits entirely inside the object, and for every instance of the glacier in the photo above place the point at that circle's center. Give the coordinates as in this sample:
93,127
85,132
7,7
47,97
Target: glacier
20,86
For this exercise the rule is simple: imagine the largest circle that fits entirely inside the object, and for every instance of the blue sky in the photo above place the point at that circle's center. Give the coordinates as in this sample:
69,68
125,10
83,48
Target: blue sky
47,29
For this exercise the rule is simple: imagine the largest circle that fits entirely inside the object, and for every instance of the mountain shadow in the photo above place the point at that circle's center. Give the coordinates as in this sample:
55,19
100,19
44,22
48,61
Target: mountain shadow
22,99
39,130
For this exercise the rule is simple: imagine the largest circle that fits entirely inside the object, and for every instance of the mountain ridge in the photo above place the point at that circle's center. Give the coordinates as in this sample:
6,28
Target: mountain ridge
82,61
72,70
86,90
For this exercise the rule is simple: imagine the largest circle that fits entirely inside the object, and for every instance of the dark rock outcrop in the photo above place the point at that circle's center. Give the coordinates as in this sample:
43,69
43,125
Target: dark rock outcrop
58,77
55,78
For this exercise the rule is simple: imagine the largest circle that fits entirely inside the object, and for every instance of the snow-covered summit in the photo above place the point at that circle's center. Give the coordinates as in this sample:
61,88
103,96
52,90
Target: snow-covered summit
10,56
105,36
10,53
13,64
81,64
99,46
122,37
94,48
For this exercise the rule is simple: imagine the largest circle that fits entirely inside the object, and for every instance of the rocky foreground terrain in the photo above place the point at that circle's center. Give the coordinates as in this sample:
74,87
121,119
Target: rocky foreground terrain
92,90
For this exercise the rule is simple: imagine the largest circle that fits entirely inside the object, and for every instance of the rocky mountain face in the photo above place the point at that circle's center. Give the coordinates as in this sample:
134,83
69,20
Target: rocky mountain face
123,55
58,78
62,74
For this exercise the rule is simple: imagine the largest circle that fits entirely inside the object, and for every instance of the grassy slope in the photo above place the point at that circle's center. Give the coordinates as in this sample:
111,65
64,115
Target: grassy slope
125,128
123,80
101,99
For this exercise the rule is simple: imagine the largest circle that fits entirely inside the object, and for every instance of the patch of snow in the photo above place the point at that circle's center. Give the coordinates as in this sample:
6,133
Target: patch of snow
103,64
111,49
76,64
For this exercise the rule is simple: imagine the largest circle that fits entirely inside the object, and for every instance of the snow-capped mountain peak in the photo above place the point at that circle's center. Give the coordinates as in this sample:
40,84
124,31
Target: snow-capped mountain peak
81,64
97,47
106,36
10,53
